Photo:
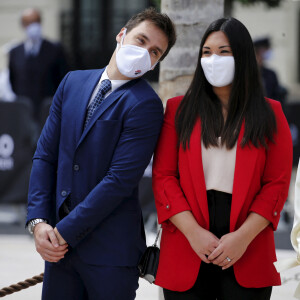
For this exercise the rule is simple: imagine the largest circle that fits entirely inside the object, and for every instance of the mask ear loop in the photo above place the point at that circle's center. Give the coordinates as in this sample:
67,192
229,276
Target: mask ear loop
123,36
152,68
119,45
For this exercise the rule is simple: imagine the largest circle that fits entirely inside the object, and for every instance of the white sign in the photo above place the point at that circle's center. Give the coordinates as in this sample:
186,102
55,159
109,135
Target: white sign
6,150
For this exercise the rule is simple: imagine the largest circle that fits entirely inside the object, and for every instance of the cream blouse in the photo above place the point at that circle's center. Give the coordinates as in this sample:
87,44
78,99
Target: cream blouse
218,167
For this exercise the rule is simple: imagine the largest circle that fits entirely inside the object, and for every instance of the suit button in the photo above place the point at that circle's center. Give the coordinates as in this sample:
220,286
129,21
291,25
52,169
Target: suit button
64,193
275,213
76,167
168,206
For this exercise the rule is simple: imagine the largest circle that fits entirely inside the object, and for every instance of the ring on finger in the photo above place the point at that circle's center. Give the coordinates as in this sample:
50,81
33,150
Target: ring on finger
228,259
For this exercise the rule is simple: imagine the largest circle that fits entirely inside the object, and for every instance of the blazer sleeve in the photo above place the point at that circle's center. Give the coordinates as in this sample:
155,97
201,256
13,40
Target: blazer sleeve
169,197
131,156
44,166
277,173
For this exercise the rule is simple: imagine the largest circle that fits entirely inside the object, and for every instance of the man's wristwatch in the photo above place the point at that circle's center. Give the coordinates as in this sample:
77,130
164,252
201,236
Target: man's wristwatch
33,222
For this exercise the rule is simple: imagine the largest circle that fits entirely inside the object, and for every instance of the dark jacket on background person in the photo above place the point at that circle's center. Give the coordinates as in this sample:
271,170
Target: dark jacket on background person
37,76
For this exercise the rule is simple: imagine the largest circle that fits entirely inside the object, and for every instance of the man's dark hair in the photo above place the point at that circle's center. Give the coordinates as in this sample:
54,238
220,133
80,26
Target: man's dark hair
262,43
162,21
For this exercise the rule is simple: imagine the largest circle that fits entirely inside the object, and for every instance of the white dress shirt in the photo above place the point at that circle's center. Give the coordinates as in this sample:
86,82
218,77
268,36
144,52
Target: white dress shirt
115,84
32,47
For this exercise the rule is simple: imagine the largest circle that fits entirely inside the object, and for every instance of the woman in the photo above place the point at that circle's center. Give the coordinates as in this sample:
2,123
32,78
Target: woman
221,175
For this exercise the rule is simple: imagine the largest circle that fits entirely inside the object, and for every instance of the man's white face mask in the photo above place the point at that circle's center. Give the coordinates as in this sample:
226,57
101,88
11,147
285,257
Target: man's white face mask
132,61
218,70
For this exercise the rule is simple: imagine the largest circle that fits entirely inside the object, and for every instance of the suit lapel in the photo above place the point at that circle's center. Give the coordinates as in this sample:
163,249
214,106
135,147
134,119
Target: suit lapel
42,50
84,98
244,168
196,168
114,96
23,54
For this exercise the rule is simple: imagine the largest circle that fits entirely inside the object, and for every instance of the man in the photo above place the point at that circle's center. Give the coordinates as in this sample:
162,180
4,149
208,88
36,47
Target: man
98,139
37,65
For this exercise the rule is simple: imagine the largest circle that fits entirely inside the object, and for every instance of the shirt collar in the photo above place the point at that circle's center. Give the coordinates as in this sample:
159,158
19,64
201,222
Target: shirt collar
32,47
115,84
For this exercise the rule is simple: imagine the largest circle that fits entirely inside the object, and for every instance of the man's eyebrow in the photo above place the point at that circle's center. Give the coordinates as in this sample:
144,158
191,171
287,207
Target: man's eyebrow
147,39
144,36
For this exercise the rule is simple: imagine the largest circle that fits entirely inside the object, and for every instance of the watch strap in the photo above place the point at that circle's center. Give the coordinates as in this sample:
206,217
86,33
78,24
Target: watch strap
32,223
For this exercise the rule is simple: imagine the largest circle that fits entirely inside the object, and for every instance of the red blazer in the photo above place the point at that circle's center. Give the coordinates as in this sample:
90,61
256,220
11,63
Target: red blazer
261,183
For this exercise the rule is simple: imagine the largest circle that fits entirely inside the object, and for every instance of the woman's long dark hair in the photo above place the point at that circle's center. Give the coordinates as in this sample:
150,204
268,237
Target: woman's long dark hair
246,100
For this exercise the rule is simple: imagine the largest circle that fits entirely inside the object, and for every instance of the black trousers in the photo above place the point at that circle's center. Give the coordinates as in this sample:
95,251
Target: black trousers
212,283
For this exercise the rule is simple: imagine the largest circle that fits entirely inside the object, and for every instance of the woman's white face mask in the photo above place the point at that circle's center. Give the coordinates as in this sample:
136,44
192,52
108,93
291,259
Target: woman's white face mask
218,70
132,61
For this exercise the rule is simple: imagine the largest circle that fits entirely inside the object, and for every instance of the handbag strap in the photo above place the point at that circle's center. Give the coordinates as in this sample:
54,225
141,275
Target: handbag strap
157,236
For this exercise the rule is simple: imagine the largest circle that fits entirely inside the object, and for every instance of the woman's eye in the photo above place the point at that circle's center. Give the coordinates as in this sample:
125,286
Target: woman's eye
205,52
224,51
154,53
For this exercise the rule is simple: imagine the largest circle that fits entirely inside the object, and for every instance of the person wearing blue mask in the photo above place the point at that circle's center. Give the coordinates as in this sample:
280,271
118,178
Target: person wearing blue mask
271,85
83,206
36,66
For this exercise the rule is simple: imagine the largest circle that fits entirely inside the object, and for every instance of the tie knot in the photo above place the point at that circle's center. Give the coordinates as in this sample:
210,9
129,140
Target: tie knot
105,86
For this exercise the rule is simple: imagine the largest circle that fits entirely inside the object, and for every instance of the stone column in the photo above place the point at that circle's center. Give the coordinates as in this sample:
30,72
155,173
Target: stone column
191,18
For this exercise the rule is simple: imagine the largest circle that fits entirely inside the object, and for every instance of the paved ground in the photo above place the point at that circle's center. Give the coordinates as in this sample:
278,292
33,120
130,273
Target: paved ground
18,260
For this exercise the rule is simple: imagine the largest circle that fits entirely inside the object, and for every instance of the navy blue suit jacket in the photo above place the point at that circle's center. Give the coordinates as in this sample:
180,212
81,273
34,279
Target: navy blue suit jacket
98,168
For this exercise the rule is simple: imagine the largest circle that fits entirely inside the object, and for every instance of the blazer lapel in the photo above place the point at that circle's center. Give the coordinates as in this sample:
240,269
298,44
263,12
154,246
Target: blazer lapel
84,98
196,168
114,96
244,168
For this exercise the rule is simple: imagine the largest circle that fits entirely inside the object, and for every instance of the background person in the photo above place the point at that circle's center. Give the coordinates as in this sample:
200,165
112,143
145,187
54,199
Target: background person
221,175
271,85
37,65
93,150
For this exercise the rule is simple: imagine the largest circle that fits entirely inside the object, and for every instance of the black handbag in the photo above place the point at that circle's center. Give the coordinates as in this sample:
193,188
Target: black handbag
148,263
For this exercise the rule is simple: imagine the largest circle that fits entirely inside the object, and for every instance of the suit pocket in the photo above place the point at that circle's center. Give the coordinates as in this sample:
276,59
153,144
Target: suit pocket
119,227
105,123
107,132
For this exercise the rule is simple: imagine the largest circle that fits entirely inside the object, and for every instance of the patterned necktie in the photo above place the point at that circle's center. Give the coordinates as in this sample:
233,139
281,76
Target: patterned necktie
105,86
